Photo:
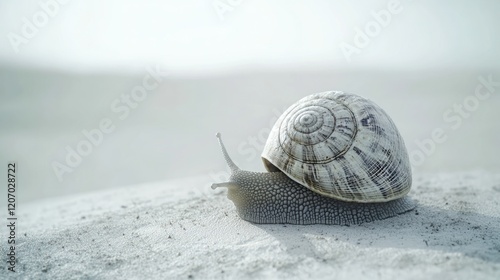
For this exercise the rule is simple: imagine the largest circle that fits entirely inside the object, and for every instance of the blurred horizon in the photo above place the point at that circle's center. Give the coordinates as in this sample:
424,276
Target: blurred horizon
170,134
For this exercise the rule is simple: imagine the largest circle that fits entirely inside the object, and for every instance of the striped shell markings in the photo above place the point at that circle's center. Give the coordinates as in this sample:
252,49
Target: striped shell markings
340,145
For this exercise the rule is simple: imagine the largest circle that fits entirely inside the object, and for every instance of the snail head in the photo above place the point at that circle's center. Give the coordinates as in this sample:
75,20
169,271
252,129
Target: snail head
234,184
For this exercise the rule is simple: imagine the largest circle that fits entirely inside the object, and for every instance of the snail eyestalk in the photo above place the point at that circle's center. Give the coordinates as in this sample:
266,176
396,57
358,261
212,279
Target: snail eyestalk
228,159
222,185
229,162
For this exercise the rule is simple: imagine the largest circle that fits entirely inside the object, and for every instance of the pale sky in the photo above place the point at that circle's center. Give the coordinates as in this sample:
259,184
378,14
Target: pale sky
193,36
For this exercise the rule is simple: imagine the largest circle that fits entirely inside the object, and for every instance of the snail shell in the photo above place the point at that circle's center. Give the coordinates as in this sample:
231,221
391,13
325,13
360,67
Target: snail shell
342,146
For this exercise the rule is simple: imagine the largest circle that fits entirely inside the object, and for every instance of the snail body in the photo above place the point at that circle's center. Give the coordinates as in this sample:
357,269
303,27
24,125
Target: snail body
334,158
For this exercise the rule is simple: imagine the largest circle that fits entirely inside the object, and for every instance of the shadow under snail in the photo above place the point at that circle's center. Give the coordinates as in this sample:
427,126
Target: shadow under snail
333,158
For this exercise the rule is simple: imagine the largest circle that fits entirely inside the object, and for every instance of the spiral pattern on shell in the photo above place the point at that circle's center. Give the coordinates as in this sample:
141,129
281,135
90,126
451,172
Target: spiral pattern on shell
342,146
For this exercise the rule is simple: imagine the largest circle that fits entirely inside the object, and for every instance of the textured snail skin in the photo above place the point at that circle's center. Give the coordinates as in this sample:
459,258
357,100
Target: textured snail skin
273,198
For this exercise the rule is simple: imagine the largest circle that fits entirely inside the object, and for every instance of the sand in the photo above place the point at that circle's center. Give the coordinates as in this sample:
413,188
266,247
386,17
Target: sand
184,230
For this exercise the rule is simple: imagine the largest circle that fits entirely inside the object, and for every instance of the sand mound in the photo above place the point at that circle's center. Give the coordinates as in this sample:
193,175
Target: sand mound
183,229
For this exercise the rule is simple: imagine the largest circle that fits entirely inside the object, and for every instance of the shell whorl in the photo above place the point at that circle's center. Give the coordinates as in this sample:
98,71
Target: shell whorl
340,145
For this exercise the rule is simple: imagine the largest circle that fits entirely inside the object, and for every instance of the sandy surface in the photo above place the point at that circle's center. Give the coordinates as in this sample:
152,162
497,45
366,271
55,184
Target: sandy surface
182,229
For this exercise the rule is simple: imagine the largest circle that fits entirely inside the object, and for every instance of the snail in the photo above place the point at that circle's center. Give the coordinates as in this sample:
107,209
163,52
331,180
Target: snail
333,158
